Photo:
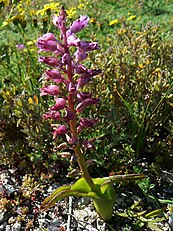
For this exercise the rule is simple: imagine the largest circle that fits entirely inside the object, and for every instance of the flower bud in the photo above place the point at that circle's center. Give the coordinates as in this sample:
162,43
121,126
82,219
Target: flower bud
51,61
57,21
66,59
83,95
50,90
54,75
60,131
73,41
72,88
88,46
80,69
60,104
80,55
52,115
79,24
86,123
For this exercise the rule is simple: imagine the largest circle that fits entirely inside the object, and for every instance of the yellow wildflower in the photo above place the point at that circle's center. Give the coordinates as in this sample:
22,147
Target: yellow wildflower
71,12
29,43
113,22
132,17
52,6
6,2
81,6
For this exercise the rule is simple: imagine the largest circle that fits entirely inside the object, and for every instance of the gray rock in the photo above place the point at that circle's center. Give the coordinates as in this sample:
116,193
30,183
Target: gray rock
3,225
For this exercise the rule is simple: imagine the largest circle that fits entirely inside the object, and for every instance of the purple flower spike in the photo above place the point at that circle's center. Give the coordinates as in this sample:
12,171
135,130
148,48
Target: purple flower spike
79,24
62,130
51,61
60,104
50,90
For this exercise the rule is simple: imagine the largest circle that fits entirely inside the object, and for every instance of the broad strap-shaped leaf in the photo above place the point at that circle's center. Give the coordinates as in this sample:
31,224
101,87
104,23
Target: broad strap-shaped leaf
103,195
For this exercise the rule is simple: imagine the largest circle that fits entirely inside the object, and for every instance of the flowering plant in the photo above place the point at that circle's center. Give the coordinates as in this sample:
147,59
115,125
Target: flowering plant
69,76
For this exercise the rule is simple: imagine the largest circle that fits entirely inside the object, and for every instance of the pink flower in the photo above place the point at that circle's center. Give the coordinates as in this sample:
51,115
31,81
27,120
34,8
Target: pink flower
88,144
80,55
60,104
83,95
79,68
57,21
60,131
54,75
20,46
66,59
50,90
87,102
82,81
51,61
69,115
79,24
88,46
52,115
86,123
73,41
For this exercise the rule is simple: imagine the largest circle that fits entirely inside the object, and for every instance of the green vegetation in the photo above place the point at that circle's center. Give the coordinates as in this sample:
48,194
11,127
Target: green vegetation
135,126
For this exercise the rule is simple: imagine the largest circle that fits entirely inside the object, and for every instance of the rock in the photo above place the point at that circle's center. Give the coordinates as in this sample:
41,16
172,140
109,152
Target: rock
17,226
3,225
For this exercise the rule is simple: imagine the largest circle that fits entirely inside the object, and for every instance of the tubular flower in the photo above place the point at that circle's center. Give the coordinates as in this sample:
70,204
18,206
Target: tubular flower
51,61
49,43
62,130
86,123
87,102
50,90
60,104
79,24
54,75
88,46
52,115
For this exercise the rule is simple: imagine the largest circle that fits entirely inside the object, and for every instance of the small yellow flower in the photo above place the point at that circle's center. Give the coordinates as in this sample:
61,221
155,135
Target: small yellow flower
81,6
113,22
93,20
141,66
29,43
52,6
132,17
6,2
71,12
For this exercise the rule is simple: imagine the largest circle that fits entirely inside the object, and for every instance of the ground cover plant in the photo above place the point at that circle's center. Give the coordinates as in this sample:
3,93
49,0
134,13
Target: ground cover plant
134,128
